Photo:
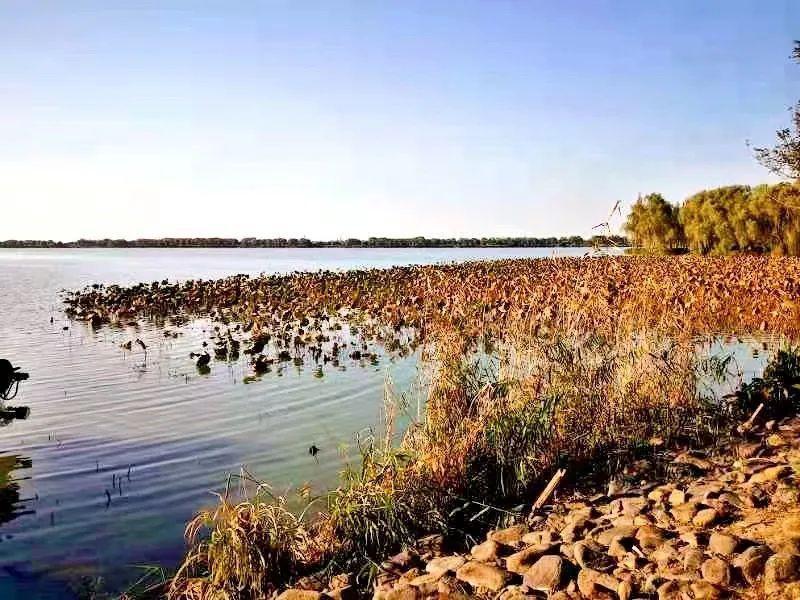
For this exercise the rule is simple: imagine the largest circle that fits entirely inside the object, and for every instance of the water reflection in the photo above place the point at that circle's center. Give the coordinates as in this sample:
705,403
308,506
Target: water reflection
742,357
130,435
11,505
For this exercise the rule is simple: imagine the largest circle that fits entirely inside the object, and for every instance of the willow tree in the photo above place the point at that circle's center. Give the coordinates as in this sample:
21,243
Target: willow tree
784,157
777,210
714,221
734,218
653,224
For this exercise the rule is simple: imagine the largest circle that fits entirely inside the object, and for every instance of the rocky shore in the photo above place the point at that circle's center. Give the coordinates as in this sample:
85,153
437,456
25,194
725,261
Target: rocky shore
722,524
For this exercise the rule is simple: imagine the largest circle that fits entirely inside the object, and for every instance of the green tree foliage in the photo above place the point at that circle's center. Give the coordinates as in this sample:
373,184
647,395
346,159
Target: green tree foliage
740,218
653,224
784,158
778,208
736,218
712,219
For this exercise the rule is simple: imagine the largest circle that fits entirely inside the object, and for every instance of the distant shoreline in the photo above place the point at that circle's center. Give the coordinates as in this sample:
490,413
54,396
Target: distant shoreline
373,242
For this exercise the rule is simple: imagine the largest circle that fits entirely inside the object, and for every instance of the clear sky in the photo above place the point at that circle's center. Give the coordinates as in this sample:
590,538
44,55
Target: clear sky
334,119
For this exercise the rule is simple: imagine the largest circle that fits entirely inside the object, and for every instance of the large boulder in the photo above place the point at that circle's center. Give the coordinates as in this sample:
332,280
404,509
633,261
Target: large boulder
444,564
486,552
716,571
606,536
521,561
705,518
510,536
722,543
780,569
546,574
751,562
481,575
590,555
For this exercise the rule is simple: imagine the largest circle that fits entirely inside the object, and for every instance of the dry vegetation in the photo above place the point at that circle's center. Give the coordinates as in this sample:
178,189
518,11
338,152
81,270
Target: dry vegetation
687,294
490,436
590,361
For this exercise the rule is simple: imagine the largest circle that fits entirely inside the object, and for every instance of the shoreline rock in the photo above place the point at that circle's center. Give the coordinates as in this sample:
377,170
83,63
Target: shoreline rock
730,531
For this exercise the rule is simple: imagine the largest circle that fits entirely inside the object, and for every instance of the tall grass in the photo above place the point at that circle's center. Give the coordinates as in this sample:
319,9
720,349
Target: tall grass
377,508
494,428
549,401
249,547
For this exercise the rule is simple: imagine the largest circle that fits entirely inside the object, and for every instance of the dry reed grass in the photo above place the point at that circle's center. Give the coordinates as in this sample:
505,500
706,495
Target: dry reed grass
687,294
494,428
588,359
250,545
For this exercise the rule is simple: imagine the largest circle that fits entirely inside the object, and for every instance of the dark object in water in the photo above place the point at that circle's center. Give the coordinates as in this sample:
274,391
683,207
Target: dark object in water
9,379
203,360
142,344
10,413
261,364
313,450
258,344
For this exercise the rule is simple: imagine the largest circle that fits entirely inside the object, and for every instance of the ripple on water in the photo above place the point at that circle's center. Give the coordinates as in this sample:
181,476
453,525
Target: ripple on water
98,411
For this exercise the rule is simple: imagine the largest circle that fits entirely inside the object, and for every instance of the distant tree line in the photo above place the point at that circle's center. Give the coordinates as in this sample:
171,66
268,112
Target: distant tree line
736,218
574,241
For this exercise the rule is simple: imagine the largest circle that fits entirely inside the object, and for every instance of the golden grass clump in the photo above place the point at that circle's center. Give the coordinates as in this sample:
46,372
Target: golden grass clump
376,508
252,547
495,426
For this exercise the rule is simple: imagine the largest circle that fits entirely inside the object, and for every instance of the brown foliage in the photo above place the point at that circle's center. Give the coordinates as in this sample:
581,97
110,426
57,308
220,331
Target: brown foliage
688,294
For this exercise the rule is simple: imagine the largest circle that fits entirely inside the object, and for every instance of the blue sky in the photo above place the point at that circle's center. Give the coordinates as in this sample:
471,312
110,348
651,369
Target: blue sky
335,119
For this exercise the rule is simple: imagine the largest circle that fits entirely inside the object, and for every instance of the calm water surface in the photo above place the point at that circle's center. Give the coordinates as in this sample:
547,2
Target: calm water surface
101,415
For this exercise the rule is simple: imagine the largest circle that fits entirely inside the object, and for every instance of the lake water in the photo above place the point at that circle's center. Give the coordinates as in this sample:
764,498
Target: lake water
149,432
